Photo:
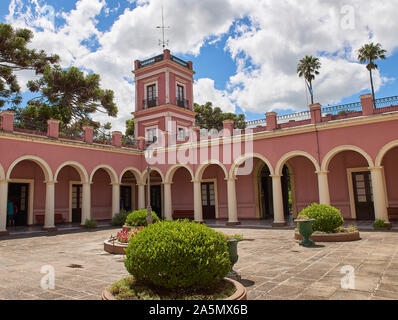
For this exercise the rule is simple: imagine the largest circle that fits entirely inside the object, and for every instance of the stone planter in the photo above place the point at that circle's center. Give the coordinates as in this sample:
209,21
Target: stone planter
115,247
332,237
240,294
305,229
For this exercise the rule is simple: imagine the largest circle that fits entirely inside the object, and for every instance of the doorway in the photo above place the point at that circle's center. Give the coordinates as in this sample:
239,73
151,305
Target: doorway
77,197
18,194
156,199
125,198
267,197
363,195
208,201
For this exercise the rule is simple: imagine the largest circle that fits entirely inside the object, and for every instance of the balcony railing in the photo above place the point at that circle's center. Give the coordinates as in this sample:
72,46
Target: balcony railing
150,103
179,61
342,109
386,102
150,61
182,103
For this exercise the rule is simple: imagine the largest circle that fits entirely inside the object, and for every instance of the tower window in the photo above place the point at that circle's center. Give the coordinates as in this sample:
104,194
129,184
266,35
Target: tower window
181,102
151,98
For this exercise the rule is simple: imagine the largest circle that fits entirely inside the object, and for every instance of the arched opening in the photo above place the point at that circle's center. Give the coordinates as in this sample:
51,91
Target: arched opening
389,162
156,191
68,195
350,184
265,203
101,195
129,190
182,206
26,194
213,191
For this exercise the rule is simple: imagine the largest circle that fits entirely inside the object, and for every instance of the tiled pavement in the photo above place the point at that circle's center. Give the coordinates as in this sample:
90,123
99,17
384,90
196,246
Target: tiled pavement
271,263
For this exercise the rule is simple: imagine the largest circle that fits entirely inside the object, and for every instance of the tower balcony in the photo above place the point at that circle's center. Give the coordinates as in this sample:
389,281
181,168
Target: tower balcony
150,103
165,56
182,103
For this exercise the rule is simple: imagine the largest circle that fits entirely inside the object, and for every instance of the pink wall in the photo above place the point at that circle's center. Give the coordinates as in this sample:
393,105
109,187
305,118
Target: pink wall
390,163
182,190
306,182
338,183
101,196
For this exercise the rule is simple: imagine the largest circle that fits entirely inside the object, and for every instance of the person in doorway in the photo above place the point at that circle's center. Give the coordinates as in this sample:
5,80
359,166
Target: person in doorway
10,214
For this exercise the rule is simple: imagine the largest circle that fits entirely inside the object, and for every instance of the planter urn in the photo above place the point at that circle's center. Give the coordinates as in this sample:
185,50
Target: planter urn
305,229
233,251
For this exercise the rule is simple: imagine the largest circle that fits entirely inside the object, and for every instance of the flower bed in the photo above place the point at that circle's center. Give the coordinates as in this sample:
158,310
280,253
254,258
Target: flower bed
119,244
129,289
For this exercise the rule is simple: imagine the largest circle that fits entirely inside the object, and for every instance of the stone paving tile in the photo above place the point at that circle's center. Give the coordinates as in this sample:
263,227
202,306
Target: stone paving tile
273,266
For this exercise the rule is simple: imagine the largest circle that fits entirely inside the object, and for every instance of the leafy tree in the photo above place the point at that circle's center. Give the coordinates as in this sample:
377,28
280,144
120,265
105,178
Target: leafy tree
370,53
71,97
209,117
308,68
15,56
128,137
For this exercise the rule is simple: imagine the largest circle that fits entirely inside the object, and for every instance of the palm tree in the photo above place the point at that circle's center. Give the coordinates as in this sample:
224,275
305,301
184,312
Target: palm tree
369,53
309,68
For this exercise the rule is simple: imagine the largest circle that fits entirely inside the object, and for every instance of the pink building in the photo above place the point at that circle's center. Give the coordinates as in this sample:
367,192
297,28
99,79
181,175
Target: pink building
346,156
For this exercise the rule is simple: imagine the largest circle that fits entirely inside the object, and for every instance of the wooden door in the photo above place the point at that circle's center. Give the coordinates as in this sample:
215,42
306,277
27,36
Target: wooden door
208,200
156,200
125,198
363,194
77,197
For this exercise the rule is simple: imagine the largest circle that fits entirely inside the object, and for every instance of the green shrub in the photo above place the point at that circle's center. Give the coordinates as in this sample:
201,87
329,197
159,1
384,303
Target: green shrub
119,219
138,218
327,218
90,223
380,224
178,254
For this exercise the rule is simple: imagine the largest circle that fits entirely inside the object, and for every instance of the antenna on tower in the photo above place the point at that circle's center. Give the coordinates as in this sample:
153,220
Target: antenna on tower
164,43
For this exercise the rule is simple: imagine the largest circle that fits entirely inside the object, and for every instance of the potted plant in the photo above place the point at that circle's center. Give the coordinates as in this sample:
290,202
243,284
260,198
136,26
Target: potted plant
175,260
305,229
326,226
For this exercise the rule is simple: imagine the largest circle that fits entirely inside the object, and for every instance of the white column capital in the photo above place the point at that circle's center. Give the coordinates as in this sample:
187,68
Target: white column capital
167,183
276,176
322,172
3,181
376,168
50,183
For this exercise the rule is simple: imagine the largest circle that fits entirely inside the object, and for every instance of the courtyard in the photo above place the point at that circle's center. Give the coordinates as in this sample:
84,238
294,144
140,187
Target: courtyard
272,264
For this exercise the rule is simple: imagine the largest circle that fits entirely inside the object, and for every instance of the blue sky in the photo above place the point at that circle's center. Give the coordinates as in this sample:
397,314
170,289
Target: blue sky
244,53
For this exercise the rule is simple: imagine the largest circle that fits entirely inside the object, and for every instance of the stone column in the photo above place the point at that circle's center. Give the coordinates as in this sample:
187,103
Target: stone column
379,195
86,203
197,200
232,204
323,185
49,217
115,199
141,196
279,215
168,204
3,207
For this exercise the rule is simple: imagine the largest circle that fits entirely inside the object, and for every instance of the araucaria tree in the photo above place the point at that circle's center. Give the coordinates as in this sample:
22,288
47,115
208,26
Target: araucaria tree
71,97
368,54
15,56
308,68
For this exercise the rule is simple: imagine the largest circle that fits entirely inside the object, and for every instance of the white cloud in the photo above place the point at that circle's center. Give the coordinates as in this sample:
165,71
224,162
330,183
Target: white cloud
267,41
205,91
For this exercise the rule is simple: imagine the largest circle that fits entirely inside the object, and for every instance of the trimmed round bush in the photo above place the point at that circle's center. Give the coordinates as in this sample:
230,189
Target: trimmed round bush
327,218
138,218
178,254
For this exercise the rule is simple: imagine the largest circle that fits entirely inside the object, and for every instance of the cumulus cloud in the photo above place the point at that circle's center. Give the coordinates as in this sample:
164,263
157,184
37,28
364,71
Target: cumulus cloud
266,40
